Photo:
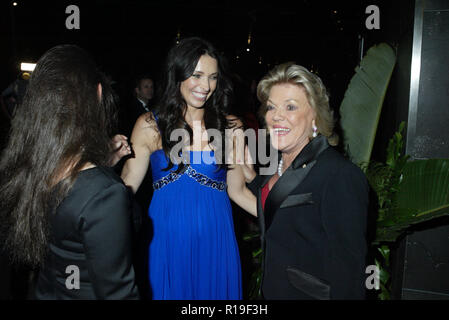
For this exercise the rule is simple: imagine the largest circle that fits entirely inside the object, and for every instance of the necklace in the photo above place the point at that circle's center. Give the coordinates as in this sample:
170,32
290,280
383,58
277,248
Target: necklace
280,165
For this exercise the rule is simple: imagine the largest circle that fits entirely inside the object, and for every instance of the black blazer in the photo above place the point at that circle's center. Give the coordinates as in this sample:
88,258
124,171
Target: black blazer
92,230
130,110
313,229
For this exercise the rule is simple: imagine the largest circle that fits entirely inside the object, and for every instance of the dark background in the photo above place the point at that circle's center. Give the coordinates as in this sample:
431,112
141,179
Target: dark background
127,38
130,37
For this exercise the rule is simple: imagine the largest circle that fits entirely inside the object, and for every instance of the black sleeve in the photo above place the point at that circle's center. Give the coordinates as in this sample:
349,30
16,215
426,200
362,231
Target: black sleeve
106,232
255,184
344,213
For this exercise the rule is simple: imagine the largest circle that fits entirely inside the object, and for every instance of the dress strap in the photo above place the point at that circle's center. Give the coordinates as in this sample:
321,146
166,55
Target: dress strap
156,118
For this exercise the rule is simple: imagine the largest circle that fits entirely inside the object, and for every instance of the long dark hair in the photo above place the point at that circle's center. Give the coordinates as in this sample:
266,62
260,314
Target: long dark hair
60,126
180,65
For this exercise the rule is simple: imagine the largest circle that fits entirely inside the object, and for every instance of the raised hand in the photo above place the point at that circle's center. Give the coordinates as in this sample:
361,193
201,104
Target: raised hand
248,167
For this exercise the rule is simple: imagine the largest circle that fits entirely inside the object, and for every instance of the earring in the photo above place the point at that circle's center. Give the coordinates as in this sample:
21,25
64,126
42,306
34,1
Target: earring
314,134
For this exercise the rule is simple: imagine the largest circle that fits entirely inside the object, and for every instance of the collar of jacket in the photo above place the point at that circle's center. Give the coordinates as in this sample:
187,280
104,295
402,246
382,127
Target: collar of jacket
310,152
291,178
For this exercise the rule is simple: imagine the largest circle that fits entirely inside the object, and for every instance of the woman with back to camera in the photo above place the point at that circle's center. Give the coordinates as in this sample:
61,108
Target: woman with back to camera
67,213
312,211
193,253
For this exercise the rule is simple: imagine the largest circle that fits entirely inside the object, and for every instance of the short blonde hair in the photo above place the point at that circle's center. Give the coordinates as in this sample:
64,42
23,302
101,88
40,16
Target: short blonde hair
314,88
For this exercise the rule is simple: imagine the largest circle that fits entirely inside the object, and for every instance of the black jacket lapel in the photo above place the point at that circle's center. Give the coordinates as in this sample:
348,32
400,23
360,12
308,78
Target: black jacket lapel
282,188
260,212
291,178
256,188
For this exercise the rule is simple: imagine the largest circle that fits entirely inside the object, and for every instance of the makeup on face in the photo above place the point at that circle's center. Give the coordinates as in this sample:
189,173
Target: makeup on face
198,88
289,117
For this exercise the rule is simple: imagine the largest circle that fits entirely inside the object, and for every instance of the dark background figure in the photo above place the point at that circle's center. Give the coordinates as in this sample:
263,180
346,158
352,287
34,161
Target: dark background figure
9,99
134,103
13,94
137,103
142,100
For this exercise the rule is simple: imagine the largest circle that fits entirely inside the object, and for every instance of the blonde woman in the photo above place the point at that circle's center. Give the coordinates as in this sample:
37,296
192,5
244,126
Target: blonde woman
313,210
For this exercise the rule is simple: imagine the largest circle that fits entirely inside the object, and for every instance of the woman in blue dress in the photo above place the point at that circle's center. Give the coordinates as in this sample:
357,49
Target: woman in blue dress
193,252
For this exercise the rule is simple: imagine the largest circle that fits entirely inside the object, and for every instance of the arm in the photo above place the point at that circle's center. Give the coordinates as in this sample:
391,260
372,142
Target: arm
105,225
345,207
239,170
144,141
238,192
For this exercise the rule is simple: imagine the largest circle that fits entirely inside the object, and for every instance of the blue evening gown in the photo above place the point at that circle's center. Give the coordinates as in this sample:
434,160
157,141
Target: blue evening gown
193,253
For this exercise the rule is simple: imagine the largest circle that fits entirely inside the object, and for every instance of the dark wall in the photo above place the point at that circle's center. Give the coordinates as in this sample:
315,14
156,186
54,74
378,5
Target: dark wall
421,260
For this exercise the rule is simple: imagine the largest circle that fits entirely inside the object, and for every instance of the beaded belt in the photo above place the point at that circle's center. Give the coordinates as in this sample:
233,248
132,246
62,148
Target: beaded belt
195,175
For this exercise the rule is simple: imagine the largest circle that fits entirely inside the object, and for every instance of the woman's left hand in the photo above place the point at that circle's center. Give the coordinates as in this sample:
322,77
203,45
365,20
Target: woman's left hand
120,149
248,167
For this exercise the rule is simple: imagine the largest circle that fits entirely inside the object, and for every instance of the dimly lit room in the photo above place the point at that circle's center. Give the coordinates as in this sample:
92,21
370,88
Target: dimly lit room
360,84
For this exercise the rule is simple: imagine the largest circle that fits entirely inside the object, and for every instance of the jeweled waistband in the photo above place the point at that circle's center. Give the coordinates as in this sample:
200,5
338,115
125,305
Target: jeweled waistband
195,175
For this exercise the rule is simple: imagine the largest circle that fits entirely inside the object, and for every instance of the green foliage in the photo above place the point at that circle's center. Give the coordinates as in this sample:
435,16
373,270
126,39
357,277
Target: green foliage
255,288
423,195
409,192
383,264
385,178
362,104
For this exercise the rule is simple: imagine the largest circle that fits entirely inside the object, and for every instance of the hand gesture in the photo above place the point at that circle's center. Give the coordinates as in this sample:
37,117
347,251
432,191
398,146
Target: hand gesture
120,149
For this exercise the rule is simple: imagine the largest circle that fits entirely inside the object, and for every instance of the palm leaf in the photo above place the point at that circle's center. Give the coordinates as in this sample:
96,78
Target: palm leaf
423,195
362,103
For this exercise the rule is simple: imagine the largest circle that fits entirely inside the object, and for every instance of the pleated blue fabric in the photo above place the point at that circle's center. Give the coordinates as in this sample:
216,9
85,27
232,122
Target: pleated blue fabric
193,254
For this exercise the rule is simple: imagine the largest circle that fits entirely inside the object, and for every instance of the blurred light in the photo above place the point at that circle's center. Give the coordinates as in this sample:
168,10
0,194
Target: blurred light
237,57
25,66
26,76
178,36
335,11
14,3
247,49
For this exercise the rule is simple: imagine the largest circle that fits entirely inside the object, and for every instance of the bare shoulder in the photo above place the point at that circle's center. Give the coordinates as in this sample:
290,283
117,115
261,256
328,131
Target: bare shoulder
146,132
146,121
